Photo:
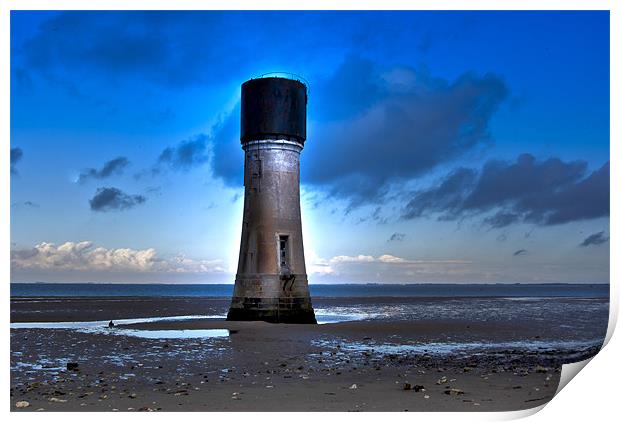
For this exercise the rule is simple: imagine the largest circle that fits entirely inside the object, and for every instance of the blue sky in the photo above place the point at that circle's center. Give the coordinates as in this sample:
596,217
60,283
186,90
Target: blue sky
442,146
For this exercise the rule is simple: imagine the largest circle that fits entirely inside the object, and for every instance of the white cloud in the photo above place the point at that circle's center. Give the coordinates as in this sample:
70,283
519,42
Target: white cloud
383,266
344,258
82,256
391,259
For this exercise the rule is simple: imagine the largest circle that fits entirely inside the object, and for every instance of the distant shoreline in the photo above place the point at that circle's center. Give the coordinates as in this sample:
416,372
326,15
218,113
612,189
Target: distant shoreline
313,284
102,290
430,298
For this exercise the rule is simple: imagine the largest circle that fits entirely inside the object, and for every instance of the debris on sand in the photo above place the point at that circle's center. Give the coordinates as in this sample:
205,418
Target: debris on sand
417,388
454,392
406,386
21,404
57,400
442,380
72,366
353,387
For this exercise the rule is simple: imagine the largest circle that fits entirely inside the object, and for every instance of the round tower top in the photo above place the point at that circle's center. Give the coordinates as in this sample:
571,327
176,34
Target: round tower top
273,108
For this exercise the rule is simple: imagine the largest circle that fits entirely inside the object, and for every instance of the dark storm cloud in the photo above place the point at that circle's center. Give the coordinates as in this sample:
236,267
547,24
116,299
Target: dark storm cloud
112,167
113,199
595,239
586,199
377,217
185,155
126,44
397,237
501,219
519,252
524,180
404,125
16,156
181,48
355,87
541,192
447,197
227,160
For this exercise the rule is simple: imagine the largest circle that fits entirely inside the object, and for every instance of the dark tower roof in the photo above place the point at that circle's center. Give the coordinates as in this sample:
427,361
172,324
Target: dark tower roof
273,108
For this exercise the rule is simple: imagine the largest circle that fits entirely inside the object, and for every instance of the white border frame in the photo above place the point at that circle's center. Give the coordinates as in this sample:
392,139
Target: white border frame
591,395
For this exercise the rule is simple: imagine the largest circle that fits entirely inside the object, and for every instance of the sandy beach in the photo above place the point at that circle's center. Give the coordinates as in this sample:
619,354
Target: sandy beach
208,364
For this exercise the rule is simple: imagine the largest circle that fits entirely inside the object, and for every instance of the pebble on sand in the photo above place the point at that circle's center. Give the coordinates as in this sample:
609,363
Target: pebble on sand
442,380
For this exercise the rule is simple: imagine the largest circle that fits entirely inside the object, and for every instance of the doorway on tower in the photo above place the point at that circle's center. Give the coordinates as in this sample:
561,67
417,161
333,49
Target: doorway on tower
283,246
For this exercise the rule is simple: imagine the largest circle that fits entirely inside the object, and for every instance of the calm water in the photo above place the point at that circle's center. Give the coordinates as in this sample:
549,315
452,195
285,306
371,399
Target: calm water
318,290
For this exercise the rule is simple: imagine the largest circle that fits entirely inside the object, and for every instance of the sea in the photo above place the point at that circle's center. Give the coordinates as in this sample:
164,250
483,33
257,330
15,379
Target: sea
316,290
567,318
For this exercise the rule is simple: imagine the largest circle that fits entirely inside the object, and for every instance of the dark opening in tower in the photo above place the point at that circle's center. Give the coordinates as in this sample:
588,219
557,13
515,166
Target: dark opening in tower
284,254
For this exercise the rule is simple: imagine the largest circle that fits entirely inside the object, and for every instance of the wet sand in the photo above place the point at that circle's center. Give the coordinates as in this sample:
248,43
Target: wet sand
267,367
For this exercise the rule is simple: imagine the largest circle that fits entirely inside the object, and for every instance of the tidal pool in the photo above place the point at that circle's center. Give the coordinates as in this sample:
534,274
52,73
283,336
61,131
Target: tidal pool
101,327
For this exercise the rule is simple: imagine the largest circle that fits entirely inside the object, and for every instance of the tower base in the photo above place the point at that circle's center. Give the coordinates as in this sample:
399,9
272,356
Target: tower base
275,310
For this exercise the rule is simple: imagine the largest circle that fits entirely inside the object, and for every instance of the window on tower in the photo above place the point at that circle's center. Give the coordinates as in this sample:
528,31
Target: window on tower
284,253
